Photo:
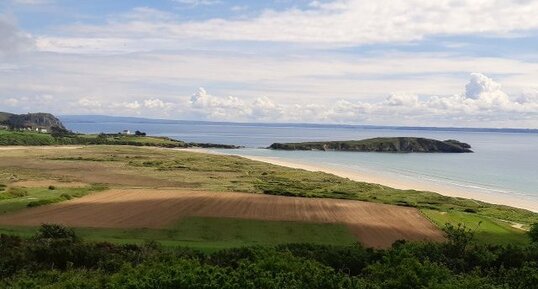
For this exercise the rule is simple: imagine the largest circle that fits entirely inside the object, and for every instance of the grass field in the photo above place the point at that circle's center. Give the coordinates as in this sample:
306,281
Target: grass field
16,198
487,230
210,234
128,166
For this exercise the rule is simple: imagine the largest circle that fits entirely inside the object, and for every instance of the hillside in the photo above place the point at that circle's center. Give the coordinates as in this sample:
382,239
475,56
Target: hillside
381,144
29,138
30,120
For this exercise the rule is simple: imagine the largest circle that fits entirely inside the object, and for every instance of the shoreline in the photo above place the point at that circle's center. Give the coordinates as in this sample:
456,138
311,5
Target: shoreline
445,190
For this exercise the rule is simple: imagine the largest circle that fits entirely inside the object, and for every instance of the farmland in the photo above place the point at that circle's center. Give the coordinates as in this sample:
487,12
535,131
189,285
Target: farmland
137,177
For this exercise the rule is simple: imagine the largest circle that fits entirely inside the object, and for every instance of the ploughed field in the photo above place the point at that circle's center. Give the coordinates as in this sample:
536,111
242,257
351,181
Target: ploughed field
374,225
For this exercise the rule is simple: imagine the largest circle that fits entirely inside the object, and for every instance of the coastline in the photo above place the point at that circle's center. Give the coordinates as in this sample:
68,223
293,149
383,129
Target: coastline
445,190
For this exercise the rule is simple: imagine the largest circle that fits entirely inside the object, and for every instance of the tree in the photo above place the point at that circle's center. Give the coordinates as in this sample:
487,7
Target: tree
459,238
52,231
533,233
139,133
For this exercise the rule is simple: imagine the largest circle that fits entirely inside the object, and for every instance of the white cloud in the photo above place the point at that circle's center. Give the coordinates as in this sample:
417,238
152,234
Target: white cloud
223,108
198,2
132,105
482,99
341,22
32,2
89,103
155,103
402,99
12,39
11,102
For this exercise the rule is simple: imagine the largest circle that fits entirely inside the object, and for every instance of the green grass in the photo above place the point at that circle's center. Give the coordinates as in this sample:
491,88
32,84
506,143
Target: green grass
487,230
16,198
210,234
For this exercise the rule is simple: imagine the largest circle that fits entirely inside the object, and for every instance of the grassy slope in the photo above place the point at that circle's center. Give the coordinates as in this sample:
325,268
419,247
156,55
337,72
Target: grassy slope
34,138
4,116
230,173
12,199
216,233
486,229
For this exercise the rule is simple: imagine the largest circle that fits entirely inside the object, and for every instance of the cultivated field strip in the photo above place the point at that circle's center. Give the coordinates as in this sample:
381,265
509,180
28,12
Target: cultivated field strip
375,225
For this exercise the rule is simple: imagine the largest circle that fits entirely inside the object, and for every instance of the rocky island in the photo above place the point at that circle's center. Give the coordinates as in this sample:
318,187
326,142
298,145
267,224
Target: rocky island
381,144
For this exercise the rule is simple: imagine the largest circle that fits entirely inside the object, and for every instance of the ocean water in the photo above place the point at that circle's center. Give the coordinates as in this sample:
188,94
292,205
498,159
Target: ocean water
504,164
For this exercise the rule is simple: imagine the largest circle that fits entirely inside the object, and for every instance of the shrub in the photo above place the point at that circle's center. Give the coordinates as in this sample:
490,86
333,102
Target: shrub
533,233
470,210
51,187
52,231
41,202
17,192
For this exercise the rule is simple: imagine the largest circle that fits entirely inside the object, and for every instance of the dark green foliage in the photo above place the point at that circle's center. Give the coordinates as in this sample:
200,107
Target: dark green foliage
533,233
52,187
55,232
56,258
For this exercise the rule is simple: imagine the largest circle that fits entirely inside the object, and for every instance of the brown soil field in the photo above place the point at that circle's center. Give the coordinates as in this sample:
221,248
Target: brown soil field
374,225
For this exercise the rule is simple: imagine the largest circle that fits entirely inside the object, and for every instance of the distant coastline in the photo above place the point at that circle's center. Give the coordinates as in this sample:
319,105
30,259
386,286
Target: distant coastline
120,119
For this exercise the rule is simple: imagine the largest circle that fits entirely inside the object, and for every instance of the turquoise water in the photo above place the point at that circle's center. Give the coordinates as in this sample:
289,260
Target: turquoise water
503,164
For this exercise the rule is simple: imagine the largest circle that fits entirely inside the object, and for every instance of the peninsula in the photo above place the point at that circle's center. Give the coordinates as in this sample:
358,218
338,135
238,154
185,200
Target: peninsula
40,129
381,144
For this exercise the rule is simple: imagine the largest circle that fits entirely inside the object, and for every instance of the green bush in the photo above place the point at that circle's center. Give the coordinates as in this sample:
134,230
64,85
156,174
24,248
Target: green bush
533,233
56,258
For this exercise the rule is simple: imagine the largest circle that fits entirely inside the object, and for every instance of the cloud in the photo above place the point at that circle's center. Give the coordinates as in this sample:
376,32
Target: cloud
223,108
481,99
402,99
11,102
12,39
32,2
197,2
89,103
132,105
155,103
340,22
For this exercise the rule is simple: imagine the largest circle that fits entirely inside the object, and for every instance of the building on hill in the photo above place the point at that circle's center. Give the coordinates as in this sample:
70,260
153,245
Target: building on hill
126,132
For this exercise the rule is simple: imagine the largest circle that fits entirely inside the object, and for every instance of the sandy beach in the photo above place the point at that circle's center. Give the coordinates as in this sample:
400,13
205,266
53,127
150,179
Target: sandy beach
452,191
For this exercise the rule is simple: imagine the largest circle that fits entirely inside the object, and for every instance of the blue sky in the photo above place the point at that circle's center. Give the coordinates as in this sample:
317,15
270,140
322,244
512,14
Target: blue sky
448,62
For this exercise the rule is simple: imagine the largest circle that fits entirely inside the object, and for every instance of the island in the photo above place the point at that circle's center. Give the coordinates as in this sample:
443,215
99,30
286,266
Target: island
381,144
36,129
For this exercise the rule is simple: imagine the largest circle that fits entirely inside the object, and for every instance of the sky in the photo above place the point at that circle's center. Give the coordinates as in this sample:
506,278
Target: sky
465,63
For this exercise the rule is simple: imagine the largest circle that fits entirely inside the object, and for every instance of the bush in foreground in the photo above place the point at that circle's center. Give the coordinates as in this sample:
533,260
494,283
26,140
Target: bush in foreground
56,258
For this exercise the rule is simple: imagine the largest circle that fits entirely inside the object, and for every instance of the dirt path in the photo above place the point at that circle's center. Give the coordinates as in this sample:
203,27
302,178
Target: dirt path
375,225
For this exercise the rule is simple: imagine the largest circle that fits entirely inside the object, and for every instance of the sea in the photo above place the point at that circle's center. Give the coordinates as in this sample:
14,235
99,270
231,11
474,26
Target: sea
504,164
